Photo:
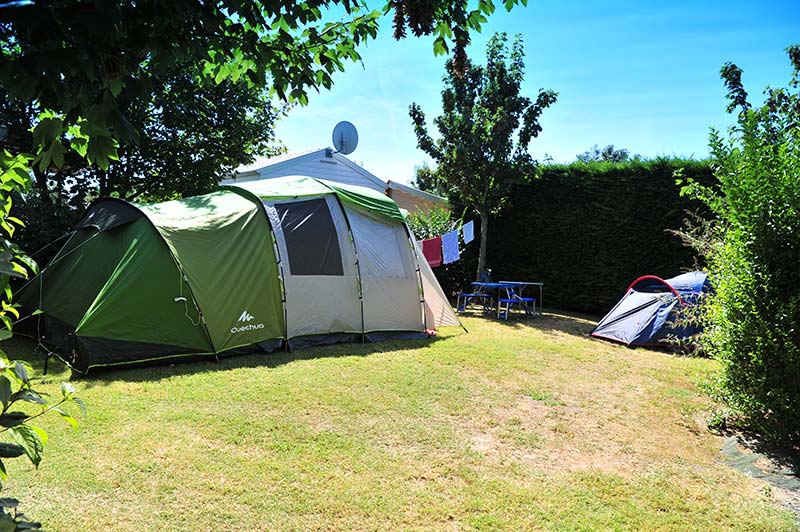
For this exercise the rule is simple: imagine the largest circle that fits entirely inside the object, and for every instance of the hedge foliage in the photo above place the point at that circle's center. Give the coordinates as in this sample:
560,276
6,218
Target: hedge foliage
587,230
753,249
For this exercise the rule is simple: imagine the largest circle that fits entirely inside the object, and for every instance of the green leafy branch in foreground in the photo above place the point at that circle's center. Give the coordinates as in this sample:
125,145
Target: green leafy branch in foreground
26,439
14,263
15,381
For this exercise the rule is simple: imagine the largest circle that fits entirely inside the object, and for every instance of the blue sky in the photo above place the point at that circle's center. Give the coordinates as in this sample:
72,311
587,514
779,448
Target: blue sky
640,75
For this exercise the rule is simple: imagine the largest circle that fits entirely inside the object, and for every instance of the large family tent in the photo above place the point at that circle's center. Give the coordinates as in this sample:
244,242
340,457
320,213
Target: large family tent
245,269
646,315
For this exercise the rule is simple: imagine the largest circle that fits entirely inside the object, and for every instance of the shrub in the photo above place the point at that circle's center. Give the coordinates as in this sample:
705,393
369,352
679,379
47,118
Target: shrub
431,223
753,249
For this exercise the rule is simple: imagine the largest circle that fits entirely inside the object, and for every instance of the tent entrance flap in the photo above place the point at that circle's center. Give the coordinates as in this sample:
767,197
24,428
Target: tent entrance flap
320,276
388,275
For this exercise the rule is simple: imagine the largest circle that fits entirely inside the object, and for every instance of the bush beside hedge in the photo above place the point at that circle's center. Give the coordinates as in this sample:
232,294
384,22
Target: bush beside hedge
587,230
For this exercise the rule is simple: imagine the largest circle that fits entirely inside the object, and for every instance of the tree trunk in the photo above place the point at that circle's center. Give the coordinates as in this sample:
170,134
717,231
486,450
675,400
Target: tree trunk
484,214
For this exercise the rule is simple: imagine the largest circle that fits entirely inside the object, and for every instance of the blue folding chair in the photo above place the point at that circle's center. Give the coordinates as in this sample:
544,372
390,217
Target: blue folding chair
465,298
486,298
505,304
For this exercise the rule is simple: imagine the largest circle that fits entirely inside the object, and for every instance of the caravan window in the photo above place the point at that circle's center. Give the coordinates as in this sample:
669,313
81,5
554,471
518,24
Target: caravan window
311,239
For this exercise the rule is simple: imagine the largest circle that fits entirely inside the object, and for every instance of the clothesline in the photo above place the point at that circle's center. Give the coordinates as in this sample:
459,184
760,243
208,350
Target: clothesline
444,249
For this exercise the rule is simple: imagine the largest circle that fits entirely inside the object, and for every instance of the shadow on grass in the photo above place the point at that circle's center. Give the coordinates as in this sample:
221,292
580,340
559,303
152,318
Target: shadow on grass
779,466
549,321
744,450
21,348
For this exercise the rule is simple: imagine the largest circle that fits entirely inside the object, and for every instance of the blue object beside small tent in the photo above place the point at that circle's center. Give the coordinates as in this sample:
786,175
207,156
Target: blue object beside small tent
647,312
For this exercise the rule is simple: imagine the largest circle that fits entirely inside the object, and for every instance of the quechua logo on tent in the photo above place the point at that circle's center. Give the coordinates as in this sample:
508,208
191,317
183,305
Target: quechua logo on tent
244,318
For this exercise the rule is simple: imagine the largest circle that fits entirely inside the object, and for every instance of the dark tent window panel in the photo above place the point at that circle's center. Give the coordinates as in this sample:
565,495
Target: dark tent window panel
311,239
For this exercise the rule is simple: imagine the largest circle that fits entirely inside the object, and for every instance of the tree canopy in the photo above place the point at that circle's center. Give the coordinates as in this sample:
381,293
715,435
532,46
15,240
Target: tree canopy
485,130
607,154
85,61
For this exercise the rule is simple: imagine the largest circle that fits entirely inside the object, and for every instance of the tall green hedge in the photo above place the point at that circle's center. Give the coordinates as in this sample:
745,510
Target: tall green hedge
587,230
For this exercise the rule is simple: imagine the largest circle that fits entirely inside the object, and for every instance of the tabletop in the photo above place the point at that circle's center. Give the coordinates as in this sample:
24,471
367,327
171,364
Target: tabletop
503,284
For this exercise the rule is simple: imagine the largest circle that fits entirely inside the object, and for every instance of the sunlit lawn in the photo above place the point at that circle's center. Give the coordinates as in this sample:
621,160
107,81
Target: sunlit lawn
522,426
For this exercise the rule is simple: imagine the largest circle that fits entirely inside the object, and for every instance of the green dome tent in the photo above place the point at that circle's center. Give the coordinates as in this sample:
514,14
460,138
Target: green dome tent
295,259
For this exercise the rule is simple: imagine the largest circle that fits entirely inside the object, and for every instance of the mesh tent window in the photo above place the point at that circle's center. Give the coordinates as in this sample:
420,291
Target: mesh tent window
311,239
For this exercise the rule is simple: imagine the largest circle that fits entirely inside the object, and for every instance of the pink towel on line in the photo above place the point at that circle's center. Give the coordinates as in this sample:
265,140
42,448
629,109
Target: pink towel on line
432,249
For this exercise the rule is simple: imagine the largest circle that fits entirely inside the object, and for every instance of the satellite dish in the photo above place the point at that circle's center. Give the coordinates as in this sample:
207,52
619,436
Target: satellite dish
345,137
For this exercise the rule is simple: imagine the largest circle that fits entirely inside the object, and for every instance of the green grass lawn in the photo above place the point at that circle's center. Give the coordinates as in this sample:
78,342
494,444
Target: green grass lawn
515,426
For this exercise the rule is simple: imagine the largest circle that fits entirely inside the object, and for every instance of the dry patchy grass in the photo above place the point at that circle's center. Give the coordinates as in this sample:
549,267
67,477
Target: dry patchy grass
526,425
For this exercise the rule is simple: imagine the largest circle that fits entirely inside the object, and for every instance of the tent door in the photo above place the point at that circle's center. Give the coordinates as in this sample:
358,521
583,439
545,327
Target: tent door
318,263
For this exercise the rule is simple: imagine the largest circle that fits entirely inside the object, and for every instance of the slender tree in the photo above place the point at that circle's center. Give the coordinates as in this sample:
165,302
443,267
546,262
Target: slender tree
484,131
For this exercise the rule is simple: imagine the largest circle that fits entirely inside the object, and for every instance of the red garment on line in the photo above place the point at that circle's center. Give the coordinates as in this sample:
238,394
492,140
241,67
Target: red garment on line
432,249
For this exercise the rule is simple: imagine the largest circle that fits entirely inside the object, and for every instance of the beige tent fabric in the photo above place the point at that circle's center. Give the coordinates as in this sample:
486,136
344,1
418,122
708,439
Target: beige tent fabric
388,276
438,311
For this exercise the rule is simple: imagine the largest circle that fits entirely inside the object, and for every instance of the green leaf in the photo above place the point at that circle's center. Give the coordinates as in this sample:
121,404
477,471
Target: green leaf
80,404
68,418
43,437
47,130
67,390
101,150
7,267
115,86
37,312
439,46
15,220
12,419
7,502
5,390
53,154
31,442
10,450
7,526
5,334
21,371
29,396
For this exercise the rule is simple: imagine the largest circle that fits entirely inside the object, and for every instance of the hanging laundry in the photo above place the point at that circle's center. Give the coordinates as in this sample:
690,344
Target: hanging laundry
468,231
450,246
432,249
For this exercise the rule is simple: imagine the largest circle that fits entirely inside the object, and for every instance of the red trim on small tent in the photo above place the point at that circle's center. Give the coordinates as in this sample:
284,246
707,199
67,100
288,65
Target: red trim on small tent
656,278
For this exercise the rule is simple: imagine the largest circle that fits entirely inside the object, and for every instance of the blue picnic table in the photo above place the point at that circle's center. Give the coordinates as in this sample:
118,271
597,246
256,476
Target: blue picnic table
491,291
